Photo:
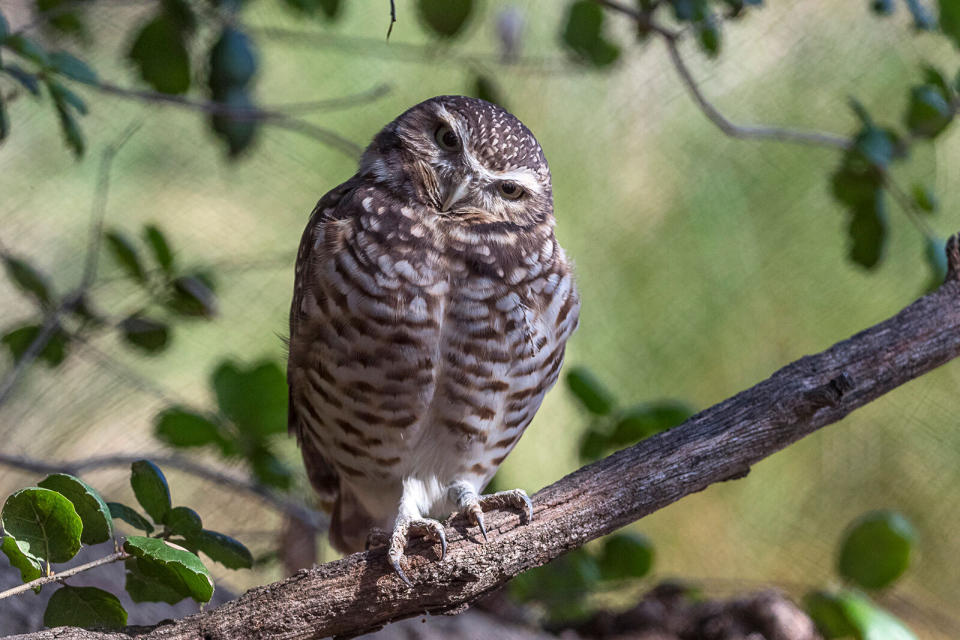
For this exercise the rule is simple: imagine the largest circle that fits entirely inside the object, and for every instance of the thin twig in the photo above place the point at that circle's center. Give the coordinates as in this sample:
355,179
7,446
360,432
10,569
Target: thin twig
393,18
51,324
908,205
308,516
57,577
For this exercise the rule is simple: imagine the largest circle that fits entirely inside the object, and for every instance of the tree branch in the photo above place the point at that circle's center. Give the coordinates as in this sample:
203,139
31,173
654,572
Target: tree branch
360,593
39,582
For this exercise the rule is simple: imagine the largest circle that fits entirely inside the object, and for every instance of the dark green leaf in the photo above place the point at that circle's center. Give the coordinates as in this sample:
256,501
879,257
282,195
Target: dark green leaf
183,521
4,27
594,445
922,18
28,566
191,297
826,611
172,571
161,56
445,18
233,62
486,89
925,198
583,34
93,511
27,278
73,67
151,336
27,48
151,489
180,427
882,7
224,549
950,19
868,231
875,147
330,8
239,127
933,76
689,10
157,241
4,120
254,398
64,97
181,14
44,524
268,469
936,255
876,549
848,614
125,253
626,555
561,585
60,16
87,607
642,421
861,112
27,79
130,516
590,391
929,111
19,340
708,35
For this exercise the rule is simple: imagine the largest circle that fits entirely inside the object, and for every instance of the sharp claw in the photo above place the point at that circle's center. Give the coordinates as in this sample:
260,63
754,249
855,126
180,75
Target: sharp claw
400,573
483,528
529,504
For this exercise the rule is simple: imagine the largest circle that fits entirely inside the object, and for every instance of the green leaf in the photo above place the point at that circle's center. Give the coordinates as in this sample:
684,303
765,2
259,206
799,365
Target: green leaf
950,19
826,611
254,398
4,120
125,254
161,56
583,34
445,18
708,35
27,278
25,78
93,511
922,18
874,147
591,393
151,336
330,8
59,16
232,61
183,521
882,7
177,573
73,67
936,255
64,97
848,614
642,421
44,524
594,445
180,427
4,27
224,549
876,549
192,297
239,127
150,489
868,231
27,48
935,77
929,112
87,607
19,340
268,469
130,516
626,555
561,585
28,566
925,198
157,241
486,89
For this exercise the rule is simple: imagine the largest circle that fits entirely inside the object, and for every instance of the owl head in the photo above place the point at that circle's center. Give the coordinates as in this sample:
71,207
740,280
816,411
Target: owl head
463,159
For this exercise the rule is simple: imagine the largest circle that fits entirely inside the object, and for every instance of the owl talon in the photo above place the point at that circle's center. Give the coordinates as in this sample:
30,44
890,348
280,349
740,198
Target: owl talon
473,505
402,530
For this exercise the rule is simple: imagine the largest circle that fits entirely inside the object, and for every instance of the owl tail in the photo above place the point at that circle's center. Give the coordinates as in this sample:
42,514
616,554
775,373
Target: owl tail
350,523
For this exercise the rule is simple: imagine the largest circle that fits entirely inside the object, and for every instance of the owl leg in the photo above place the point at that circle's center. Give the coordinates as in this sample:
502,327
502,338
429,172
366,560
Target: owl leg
473,505
410,523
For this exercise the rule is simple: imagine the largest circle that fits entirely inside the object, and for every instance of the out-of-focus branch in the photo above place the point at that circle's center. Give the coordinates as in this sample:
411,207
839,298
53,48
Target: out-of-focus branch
361,592
227,481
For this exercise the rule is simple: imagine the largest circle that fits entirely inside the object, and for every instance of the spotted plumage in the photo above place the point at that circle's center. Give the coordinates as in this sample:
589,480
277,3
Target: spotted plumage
431,308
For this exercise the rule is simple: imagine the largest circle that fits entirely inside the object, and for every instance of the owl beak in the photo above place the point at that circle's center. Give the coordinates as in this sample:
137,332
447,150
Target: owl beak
456,193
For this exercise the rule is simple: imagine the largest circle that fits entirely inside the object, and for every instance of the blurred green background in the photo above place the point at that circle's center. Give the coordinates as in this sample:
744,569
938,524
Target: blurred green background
704,263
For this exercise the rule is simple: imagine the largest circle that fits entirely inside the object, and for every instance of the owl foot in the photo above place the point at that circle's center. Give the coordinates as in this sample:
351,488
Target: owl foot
474,505
405,527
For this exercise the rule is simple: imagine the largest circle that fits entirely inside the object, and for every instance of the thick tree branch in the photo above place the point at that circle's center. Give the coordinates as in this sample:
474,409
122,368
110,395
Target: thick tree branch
360,592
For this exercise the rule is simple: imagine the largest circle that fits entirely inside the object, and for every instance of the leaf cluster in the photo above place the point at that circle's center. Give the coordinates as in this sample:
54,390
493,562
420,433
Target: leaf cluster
47,524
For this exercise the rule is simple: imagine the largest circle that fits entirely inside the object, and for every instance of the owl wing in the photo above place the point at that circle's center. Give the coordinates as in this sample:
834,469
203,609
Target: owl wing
322,475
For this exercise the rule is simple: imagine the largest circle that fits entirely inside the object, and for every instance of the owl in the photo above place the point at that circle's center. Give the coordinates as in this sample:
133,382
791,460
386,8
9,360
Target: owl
431,308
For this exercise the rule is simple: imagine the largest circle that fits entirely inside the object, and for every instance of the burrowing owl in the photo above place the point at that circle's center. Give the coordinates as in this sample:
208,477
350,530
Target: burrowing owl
431,308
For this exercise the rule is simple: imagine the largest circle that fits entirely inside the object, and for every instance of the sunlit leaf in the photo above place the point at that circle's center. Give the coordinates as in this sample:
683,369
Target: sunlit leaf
28,566
925,198
44,524
224,549
87,607
93,511
848,614
162,572
876,549
150,488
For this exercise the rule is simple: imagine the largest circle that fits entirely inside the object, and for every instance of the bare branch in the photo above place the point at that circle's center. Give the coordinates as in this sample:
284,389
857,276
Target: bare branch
57,577
309,517
361,592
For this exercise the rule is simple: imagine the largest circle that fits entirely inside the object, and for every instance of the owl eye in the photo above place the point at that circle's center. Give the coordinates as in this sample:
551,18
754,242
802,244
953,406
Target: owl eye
446,138
510,190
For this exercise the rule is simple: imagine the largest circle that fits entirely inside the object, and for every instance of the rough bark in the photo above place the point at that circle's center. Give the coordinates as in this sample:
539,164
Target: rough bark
360,593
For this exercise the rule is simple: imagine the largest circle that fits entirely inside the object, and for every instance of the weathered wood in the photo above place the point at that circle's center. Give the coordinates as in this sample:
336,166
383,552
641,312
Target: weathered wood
361,593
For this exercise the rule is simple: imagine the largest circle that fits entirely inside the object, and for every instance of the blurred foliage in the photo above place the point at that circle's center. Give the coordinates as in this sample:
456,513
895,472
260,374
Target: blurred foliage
50,522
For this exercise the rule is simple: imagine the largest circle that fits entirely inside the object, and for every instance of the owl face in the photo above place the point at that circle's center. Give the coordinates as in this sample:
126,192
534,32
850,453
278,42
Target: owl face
465,160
